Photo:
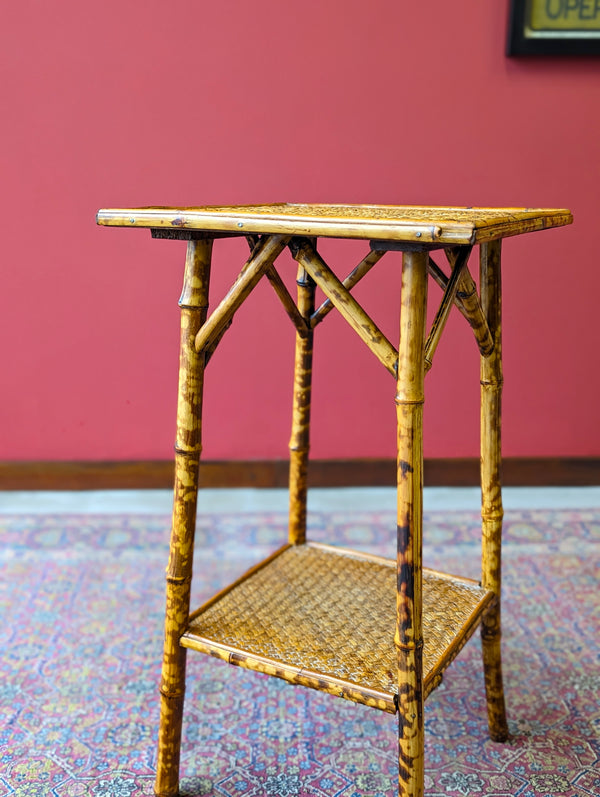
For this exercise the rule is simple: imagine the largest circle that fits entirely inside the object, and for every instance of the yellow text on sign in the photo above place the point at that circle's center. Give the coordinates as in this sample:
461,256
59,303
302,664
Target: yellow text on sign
565,15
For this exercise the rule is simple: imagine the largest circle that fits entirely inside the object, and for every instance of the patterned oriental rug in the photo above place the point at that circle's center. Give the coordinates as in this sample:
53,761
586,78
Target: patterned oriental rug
81,603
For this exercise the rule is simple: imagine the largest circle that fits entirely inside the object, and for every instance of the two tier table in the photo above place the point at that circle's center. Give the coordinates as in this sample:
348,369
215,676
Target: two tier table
373,630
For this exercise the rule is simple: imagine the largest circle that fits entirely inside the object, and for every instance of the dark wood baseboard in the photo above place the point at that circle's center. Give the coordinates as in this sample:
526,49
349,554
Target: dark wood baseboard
518,471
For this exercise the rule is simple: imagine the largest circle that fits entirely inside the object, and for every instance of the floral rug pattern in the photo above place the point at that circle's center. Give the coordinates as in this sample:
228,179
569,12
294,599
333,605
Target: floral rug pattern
81,601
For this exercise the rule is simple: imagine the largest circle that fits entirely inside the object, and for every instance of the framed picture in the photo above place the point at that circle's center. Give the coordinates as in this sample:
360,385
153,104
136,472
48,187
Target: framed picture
554,27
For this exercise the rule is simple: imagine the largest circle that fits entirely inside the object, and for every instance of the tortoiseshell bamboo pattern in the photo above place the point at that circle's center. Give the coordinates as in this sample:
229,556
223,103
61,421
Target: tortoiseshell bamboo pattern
403,223
283,617
356,655
188,445
347,305
300,438
491,486
410,396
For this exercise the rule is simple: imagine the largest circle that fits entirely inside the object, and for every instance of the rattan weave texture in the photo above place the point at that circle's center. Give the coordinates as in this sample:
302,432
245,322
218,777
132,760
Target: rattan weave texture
333,613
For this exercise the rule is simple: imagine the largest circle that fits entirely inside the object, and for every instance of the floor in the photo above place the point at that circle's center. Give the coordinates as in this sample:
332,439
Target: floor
320,499
81,654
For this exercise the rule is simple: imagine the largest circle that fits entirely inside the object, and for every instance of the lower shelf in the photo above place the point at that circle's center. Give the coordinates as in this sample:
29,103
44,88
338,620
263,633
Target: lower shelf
325,617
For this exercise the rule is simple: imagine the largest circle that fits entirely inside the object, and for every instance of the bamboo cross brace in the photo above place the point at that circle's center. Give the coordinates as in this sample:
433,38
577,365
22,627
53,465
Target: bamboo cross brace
363,268
282,292
467,301
442,314
473,309
261,259
288,303
348,307
210,350
442,280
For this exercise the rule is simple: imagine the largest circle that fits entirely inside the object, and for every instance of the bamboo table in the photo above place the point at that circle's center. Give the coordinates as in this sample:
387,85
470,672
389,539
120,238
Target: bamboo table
372,630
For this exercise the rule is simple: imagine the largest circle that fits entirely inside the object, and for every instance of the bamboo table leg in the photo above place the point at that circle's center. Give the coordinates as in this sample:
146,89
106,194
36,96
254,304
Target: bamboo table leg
299,442
491,489
409,632
194,306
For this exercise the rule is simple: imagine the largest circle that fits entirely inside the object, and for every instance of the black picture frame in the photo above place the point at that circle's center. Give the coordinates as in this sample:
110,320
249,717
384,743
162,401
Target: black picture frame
523,40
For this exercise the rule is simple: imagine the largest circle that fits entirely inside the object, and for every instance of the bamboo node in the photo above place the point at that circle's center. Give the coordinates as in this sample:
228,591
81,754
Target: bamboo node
304,281
299,448
171,695
409,647
194,451
178,580
400,402
490,635
492,516
192,308
493,383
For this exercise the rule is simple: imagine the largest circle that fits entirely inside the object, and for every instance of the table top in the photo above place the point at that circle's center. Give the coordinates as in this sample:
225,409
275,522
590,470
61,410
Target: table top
437,225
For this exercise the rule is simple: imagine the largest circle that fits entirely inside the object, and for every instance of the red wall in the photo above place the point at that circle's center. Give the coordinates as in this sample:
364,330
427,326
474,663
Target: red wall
137,103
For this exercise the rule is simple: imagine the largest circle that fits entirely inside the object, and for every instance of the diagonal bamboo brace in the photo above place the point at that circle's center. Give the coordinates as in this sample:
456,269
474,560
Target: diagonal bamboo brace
467,302
473,310
260,261
210,350
363,268
282,292
348,307
288,303
448,300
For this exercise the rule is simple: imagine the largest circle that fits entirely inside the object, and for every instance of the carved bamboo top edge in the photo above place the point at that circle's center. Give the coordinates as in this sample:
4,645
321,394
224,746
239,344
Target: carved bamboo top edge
444,225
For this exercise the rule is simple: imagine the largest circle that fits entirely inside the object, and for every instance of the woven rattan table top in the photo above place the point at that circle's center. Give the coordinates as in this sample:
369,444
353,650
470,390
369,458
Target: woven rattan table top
325,618
443,225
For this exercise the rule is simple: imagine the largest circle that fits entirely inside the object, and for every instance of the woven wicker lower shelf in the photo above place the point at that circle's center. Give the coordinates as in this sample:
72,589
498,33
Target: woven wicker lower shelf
324,617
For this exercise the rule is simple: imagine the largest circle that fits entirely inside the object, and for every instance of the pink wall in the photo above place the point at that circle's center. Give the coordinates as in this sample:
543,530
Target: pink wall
128,102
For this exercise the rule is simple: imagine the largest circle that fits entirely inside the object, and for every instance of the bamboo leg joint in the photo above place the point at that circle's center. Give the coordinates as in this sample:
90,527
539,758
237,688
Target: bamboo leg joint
492,515
193,307
409,647
492,383
492,606
490,633
178,579
400,402
193,452
177,695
